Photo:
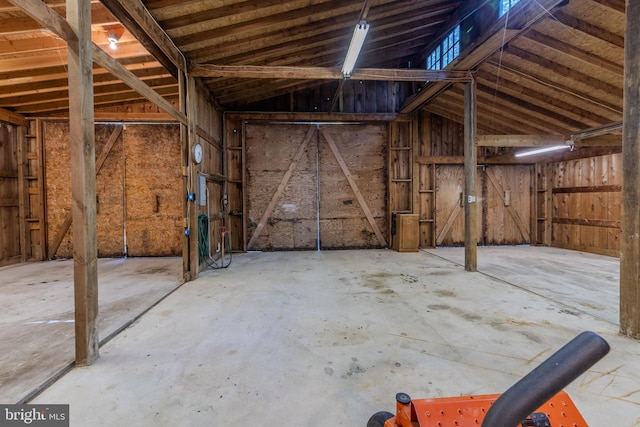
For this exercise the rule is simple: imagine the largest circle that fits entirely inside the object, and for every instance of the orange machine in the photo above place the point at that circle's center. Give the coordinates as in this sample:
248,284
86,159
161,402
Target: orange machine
534,401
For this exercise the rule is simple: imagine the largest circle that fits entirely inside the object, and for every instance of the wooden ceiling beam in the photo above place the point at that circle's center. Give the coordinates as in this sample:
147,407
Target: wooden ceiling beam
99,101
61,82
566,72
534,94
59,57
229,14
540,109
589,29
575,52
487,44
137,19
521,70
63,93
490,111
13,118
617,5
323,73
520,140
99,16
203,37
51,20
17,78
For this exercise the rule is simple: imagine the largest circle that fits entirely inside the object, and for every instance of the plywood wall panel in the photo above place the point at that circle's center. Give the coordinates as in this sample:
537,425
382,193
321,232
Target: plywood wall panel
153,190
58,184
110,195
144,178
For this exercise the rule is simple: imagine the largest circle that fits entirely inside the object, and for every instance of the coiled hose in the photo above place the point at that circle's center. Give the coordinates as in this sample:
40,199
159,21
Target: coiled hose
203,246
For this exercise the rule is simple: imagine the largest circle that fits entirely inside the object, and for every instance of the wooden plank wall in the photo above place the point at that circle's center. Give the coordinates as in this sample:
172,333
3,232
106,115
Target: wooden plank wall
213,170
140,182
234,142
400,169
10,249
586,204
357,96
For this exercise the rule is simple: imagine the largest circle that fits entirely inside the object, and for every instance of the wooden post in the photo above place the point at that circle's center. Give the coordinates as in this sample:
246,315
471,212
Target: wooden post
184,139
83,181
192,106
470,209
630,235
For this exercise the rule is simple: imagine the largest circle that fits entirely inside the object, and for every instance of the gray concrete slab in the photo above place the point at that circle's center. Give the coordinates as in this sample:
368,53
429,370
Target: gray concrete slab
328,338
36,320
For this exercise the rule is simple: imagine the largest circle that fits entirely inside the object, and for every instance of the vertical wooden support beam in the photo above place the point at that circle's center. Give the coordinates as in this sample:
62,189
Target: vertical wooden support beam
192,107
184,139
83,185
23,194
630,236
414,167
470,166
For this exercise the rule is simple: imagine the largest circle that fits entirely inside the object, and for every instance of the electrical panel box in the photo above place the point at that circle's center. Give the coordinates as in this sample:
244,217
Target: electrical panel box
405,231
202,194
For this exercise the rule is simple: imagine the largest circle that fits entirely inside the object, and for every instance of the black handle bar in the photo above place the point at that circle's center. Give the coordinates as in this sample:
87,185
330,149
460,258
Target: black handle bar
550,377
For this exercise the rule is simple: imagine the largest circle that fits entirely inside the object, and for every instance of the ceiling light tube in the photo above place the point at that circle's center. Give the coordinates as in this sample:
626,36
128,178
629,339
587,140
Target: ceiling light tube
542,150
357,40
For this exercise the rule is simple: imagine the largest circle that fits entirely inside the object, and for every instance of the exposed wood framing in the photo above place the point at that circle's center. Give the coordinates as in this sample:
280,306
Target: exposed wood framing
354,187
282,185
83,186
325,73
145,28
519,140
492,41
54,22
630,236
13,118
470,171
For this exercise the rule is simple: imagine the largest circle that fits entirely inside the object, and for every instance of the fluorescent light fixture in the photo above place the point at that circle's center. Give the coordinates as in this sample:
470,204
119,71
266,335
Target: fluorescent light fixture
113,40
543,150
357,40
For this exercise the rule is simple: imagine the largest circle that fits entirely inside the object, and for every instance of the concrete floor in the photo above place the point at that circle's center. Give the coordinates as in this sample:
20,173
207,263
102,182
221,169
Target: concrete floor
36,320
328,338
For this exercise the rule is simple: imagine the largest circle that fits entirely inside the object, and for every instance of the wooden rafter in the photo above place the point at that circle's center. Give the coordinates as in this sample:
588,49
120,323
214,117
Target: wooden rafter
322,73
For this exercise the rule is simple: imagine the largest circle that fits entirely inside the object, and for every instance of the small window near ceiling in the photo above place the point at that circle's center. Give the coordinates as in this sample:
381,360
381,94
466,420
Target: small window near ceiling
445,52
505,5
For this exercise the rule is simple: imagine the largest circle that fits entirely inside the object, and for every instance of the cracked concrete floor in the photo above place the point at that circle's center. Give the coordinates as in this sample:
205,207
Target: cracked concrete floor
328,338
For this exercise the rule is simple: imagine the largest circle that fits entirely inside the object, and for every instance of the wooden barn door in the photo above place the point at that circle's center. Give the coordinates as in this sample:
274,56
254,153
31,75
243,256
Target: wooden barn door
282,197
507,195
315,186
353,189
504,205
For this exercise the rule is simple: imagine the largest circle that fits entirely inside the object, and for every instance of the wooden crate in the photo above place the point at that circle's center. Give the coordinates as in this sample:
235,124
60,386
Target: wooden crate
406,237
